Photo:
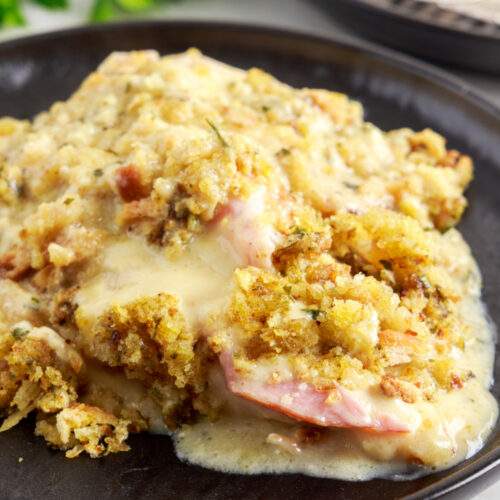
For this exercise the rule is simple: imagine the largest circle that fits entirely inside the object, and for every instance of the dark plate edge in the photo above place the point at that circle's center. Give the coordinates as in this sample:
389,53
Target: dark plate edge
397,60
447,45
437,26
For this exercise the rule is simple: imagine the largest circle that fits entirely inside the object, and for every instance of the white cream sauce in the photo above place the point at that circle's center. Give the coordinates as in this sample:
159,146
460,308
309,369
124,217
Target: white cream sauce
447,431
452,428
200,278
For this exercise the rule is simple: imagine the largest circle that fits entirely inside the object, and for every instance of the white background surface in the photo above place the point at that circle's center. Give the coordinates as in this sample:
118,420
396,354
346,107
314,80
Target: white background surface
297,14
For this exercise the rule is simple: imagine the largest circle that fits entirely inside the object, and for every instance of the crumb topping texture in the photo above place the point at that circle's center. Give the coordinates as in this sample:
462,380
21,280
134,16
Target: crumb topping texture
341,286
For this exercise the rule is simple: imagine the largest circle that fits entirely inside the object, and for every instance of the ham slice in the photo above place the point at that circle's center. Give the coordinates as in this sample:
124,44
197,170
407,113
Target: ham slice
303,402
242,230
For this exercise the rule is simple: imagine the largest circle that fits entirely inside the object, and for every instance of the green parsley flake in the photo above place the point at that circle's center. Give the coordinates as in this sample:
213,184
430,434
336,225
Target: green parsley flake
217,133
425,282
19,333
35,303
314,313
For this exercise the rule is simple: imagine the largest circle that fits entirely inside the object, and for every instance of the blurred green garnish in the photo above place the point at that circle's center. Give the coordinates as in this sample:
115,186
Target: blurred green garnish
135,5
53,4
10,13
102,10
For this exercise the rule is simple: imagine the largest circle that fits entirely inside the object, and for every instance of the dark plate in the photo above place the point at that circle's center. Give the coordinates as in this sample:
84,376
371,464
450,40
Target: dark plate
423,29
396,91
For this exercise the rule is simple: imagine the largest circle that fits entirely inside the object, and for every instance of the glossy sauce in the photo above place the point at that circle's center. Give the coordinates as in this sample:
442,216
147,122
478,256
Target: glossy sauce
455,425
199,278
450,429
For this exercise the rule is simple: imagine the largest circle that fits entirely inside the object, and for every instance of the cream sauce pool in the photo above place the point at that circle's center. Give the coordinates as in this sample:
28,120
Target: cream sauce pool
453,428
450,429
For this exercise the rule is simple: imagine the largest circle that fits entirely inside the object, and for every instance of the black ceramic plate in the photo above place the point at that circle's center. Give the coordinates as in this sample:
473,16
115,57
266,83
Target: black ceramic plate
425,30
396,91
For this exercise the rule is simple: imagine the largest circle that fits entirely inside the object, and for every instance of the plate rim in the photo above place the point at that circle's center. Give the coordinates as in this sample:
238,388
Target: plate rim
472,50
438,26
402,62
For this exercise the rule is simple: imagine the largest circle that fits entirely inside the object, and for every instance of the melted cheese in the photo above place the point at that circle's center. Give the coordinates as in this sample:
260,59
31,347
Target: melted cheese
200,278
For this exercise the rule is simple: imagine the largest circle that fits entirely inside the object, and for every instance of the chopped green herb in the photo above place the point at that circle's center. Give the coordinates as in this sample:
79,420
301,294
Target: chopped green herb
217,133
283,152
299,231
35,303
425,282
287,288
69,201
98,172
351,185
314,313
265,109
19,333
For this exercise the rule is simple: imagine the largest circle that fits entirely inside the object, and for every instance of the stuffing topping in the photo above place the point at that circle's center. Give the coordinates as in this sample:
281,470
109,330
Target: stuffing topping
183,240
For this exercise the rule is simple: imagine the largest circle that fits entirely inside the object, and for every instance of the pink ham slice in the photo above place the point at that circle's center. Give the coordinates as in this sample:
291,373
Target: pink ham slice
241,230
305,403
